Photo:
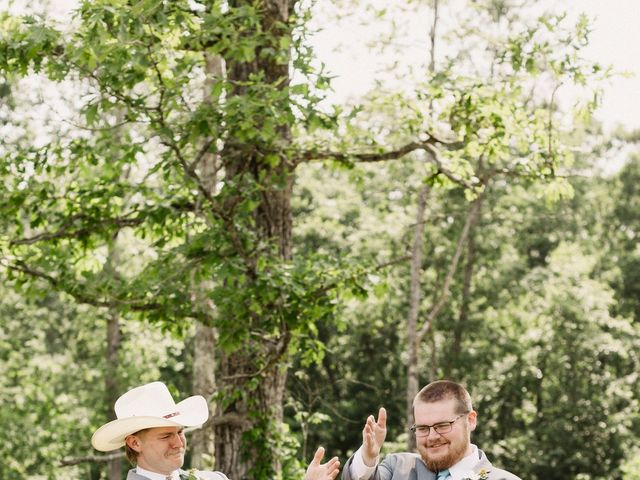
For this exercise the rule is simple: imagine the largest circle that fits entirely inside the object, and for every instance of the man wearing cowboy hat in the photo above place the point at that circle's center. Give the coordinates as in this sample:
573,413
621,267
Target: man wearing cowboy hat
150,425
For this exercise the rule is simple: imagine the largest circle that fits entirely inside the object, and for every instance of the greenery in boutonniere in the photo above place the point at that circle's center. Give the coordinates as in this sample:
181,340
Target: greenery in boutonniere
189,475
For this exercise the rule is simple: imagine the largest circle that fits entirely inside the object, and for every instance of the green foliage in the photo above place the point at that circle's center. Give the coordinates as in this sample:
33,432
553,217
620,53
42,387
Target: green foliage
26,43
174,201
53,363
565,372
139,173
631,469
624,225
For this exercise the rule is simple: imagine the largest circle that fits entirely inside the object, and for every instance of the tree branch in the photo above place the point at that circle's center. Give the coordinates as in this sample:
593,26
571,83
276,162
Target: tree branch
330,286
21,267
429,146
312,155
91,458
67,232
444,294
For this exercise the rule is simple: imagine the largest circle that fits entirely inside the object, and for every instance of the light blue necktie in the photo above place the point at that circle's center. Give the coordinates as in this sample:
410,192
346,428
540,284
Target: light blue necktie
443,474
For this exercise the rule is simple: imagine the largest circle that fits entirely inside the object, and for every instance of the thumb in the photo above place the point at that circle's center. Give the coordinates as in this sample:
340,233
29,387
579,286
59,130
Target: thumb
382,418
318,456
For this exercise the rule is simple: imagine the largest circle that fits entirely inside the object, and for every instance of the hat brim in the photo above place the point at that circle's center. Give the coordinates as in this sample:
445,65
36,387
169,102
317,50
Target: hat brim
191,412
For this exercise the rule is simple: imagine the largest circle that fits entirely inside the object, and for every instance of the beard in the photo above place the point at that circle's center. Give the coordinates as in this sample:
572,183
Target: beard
457,449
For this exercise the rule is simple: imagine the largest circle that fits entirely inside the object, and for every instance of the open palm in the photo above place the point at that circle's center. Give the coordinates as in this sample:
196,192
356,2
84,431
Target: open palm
373,435
324,471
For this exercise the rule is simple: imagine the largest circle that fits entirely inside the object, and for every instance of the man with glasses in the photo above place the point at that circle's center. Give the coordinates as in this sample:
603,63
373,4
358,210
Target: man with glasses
444,419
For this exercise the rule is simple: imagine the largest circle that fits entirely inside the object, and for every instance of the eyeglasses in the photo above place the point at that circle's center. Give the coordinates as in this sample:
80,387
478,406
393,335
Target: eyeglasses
440,428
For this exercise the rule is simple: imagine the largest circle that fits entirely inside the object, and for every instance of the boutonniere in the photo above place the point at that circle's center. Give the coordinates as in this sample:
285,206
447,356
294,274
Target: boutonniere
189,475
482,474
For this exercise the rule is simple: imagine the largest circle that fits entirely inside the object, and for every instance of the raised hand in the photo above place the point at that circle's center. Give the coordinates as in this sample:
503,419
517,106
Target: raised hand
373,435
325,471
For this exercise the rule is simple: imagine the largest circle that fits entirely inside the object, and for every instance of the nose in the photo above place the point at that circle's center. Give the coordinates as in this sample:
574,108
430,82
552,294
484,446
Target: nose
178,440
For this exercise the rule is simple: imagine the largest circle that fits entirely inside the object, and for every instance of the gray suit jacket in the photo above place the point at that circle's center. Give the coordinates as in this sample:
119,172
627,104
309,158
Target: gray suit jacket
201,474
409,466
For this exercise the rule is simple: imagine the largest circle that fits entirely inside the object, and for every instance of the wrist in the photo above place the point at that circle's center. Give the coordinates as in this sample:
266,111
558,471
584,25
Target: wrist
370,460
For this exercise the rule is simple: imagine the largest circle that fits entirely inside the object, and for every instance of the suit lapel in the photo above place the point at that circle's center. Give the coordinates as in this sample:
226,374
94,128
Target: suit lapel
132,475
483,464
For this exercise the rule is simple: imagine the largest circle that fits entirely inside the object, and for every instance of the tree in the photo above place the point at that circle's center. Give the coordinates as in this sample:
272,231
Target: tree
502,131
624,224
221,252
53,365
564,370
238,237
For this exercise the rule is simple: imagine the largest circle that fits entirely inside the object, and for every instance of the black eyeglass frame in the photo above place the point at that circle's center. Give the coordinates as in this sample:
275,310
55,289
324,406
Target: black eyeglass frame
439,428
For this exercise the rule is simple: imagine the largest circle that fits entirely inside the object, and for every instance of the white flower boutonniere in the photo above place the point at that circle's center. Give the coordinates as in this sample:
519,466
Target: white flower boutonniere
189,475
482,474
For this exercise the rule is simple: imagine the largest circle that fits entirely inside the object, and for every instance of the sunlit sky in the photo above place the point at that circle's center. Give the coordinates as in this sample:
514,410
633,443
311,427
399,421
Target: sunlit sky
615,41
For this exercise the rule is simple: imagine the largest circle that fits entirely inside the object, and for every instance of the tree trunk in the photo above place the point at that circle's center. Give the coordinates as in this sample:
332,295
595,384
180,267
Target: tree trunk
202,444
415,297
112,388
456,346
112,371
238,419
256,375
439,302
204,383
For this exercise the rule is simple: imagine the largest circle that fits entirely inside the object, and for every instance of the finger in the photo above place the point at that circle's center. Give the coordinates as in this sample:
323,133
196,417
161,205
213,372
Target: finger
318,456
369,426
382,418
333,467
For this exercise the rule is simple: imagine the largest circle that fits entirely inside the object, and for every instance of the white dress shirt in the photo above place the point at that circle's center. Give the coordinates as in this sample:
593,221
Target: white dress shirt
175,475
464,468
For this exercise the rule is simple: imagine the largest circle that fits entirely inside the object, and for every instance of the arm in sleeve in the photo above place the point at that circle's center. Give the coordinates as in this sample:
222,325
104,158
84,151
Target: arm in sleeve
355,469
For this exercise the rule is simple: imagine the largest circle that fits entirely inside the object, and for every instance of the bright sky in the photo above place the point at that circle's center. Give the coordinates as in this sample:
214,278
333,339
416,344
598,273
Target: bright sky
615,41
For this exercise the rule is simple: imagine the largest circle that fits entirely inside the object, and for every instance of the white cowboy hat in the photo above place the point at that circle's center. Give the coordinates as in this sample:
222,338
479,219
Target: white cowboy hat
148,406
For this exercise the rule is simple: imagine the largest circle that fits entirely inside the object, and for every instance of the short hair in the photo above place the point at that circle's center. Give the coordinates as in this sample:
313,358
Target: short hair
129,452
444,390
131,455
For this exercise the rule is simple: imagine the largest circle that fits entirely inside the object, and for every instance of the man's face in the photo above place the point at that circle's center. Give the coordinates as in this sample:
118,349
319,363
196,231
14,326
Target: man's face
442,450
160,450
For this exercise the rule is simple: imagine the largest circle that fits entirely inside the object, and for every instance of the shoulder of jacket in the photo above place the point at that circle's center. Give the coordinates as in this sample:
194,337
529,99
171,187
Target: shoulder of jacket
402,457
499,474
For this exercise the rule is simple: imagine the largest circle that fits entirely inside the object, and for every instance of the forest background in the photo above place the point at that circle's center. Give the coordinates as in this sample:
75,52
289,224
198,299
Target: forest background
185,199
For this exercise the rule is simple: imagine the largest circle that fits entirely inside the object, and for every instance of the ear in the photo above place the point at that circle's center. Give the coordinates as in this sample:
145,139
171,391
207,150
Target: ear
472,420
133,443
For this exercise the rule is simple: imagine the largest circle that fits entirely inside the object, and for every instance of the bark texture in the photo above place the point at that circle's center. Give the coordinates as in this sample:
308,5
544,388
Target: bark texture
273,225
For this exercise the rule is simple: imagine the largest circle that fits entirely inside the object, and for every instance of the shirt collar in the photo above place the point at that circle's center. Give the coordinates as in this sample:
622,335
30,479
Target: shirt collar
461,469
157,476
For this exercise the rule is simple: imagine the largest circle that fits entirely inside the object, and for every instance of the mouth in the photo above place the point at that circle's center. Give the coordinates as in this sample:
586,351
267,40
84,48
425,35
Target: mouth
436,446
